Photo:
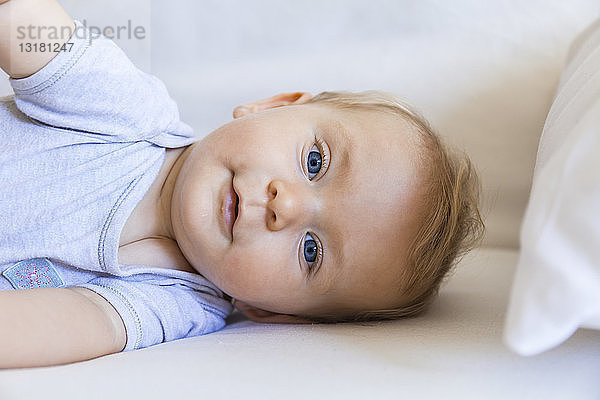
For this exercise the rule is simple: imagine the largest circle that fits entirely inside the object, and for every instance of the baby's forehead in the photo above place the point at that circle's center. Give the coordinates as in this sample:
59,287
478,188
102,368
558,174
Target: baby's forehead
375,212
375,125
380,153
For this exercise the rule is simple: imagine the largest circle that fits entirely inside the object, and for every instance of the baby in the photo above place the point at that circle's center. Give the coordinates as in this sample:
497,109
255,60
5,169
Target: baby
127,230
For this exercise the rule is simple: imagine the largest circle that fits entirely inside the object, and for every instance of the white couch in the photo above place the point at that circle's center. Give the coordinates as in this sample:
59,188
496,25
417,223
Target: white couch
485,74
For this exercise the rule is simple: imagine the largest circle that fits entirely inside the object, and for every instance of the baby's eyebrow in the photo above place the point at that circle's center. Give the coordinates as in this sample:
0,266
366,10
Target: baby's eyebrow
342,148
334,264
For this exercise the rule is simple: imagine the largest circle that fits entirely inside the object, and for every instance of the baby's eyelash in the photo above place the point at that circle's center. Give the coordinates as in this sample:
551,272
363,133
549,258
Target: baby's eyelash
324,154
317,262
312,270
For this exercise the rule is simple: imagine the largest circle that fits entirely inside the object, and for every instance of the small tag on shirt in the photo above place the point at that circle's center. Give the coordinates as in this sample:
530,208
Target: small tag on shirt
34,273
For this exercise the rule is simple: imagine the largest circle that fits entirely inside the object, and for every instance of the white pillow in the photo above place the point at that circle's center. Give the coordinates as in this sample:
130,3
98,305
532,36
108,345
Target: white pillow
556,288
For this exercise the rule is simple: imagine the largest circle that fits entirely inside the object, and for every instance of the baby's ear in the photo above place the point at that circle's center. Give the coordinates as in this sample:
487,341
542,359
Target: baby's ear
279,100
268,317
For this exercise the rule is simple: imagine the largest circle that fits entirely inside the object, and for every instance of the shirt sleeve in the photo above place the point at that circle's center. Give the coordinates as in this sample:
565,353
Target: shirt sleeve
92,86
160,309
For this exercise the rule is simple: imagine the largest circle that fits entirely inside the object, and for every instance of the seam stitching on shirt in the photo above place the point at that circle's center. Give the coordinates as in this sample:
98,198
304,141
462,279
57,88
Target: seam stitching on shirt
56,76
214,310
136,317
80,132
107,222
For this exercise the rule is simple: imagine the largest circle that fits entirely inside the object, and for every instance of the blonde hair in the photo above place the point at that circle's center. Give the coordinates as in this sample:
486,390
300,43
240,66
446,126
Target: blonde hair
451,223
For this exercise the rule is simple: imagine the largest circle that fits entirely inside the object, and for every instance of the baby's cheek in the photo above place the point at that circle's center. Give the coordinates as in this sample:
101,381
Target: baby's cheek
238,266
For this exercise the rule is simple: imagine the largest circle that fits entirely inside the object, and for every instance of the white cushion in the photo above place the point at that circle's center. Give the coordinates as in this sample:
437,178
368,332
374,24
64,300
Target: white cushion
557,285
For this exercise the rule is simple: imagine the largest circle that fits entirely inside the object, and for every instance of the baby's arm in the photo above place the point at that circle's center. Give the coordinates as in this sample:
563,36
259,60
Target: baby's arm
91,86
16,16
49,326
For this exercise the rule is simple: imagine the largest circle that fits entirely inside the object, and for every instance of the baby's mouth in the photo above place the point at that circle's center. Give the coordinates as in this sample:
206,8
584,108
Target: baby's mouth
229,209
237,202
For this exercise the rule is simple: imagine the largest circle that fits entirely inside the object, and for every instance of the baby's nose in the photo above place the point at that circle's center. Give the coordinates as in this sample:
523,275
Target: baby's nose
288,204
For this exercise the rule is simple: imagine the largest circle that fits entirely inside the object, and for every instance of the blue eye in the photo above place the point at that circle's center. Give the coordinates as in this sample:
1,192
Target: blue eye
314,162
311,249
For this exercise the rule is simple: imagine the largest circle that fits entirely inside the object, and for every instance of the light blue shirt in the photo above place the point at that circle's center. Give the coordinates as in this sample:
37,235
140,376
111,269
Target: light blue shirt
81,141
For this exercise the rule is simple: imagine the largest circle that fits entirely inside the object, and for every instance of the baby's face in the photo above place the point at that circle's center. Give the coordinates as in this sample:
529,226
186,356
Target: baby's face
327,206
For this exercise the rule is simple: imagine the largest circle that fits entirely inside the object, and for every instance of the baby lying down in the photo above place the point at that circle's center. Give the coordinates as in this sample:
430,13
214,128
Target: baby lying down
128,231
